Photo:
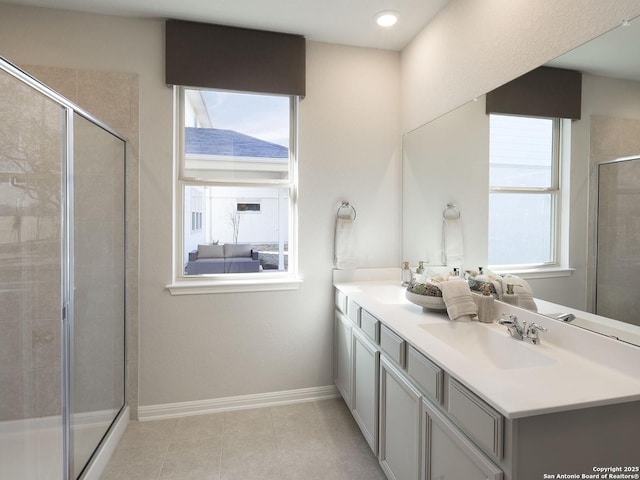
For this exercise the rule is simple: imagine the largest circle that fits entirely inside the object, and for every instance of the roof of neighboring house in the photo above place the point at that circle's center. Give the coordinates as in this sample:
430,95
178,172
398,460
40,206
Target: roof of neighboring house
214,141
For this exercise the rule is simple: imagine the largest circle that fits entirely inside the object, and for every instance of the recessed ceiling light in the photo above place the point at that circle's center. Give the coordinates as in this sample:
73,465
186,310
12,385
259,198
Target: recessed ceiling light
387,19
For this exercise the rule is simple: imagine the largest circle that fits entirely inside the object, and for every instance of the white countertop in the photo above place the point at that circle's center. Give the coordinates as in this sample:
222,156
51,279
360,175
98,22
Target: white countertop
571,368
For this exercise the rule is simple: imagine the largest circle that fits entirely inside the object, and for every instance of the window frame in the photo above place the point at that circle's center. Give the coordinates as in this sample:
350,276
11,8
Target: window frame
555,191
232,282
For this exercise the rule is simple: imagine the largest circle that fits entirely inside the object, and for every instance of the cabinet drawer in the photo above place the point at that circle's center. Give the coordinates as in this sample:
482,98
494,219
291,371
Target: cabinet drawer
341,301
370,325
426,374
479,420
393,345
354,312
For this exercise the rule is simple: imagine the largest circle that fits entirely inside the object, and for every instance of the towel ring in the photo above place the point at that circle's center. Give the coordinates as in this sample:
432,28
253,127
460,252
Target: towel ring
349,206
451,212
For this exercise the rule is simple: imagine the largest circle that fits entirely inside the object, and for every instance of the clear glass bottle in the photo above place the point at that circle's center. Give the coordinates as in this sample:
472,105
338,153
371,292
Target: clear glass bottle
407,274
420,269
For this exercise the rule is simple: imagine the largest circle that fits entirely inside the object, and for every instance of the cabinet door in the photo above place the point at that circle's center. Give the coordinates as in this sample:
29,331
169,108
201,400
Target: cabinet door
400,417
449,454
342,356
364,392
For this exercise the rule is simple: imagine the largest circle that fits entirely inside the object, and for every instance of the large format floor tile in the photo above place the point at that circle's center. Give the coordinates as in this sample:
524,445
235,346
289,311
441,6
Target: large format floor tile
313,440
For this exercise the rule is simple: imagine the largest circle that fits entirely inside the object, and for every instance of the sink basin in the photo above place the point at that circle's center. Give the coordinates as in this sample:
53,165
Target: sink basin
489,345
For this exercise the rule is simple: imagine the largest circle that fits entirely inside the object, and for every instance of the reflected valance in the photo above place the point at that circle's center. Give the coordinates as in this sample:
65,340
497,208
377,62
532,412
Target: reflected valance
230,58
543,92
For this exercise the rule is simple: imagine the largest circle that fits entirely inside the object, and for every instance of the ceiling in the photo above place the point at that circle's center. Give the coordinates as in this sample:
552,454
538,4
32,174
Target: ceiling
613,54
349,22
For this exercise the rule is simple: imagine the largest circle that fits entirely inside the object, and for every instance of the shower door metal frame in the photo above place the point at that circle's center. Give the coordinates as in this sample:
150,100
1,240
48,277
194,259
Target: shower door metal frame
67,267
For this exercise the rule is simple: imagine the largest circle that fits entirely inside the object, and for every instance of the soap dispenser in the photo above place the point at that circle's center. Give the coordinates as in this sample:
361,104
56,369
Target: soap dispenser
420,269
510,297
485,305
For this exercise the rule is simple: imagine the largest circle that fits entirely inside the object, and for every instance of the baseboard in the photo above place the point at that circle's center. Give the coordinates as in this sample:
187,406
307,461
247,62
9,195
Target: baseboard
183,409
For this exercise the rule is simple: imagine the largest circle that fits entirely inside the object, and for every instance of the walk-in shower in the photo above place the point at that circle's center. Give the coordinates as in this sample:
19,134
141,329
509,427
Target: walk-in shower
62,282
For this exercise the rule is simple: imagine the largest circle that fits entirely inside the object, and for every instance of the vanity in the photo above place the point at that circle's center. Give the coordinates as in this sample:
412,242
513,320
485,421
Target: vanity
437,399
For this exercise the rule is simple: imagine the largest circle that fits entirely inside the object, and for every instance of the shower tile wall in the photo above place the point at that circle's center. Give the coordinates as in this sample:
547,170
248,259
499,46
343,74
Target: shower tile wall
112,98
30,253
610,138
619,241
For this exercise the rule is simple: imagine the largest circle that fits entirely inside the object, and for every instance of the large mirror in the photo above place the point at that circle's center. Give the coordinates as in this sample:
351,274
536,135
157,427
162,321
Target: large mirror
447,162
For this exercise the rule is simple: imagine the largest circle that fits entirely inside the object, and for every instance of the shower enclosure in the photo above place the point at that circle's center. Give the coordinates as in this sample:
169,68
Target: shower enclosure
618,240
62,282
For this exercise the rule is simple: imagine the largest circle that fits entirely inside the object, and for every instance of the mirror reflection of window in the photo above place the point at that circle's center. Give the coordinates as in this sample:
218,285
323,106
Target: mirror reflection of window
524,187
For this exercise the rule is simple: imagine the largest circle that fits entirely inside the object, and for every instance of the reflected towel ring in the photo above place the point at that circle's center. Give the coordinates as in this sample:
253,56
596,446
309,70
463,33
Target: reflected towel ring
344,205
451,212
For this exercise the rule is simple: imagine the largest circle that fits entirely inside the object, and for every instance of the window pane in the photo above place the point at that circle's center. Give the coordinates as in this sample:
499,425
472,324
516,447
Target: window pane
521,151
520,228
231,240
236,136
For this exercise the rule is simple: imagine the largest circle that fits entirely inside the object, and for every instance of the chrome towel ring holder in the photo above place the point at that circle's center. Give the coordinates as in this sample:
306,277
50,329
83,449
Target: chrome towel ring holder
451,212
346,210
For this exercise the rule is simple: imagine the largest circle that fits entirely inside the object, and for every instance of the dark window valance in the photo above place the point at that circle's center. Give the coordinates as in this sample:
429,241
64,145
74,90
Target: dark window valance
543,92
230,58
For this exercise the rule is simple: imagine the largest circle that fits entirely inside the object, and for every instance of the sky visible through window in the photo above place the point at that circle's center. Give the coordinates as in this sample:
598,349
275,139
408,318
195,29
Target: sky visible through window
261,116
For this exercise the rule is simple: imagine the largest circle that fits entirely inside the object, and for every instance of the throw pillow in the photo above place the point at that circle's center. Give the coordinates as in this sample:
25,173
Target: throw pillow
210,251
237,250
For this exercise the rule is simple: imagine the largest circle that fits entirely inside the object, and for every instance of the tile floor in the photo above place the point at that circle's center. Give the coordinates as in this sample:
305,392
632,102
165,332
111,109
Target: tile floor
304,441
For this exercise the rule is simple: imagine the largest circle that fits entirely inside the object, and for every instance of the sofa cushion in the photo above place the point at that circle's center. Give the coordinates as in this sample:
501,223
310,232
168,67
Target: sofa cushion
237,250
210,251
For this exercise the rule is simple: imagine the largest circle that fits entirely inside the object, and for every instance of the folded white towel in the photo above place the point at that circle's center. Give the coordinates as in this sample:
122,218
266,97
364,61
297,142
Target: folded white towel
345,244
457,297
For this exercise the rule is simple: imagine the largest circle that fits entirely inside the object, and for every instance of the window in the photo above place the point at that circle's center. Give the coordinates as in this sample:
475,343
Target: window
248,207
524,191
236,186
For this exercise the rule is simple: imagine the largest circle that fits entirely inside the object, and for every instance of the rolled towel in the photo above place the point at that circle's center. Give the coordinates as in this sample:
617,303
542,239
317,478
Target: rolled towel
457,297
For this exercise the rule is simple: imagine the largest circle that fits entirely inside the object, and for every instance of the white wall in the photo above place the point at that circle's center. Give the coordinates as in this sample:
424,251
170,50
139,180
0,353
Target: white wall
212,346
473,47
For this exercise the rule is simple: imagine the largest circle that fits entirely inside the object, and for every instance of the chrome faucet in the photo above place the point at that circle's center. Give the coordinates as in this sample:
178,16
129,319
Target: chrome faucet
566,317
512,323
522,331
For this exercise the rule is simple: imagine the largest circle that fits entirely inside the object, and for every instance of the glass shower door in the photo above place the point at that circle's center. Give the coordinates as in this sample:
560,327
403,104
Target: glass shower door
32,155
618,246
98,277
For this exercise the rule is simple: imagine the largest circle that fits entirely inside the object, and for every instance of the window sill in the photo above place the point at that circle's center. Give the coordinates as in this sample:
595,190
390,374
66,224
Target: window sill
535,273
208,286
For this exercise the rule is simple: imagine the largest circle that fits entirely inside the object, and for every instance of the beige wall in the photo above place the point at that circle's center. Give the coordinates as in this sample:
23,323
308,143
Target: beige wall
473,47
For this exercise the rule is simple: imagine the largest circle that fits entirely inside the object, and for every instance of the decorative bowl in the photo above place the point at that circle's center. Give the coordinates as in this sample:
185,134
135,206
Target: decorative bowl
427,301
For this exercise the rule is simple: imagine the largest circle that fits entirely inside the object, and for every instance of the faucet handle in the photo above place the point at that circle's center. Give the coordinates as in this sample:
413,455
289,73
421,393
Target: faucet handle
534,327
531,333
508,319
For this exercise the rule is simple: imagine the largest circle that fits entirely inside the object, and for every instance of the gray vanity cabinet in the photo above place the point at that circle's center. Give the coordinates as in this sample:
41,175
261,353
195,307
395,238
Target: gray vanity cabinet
449,454
342,355
400,432
364,392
